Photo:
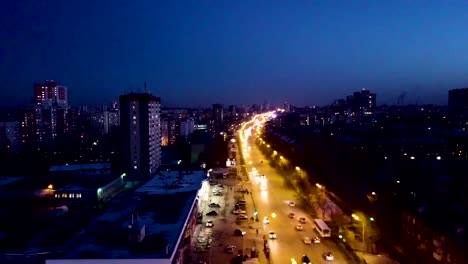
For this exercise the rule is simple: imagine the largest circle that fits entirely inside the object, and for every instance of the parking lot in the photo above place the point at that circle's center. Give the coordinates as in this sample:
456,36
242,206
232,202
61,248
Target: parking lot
212,243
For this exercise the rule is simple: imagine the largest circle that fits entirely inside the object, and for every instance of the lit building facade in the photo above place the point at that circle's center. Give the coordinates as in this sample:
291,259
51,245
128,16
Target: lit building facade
50,93
141,126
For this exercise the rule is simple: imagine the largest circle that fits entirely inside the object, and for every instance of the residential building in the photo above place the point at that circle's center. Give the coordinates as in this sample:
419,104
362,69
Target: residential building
141,127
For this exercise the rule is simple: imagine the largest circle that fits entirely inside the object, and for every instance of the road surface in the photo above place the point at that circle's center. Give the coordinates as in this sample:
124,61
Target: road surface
272,199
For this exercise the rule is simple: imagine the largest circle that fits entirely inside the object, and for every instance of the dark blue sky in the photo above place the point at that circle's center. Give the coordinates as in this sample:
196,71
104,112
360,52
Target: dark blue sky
241,51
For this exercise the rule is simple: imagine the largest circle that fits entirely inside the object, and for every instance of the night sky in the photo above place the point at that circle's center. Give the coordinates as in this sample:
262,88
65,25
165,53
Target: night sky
194,53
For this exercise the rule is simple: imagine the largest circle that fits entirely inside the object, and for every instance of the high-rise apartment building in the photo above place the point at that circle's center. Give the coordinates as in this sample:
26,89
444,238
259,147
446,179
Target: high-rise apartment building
187,127
458,107
169,131
9,133
46,119
141,126
361,106
218,116
50,93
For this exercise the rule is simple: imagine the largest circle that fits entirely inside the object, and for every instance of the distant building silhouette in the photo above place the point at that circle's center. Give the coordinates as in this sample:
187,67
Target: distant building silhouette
218,116
361,106
458,106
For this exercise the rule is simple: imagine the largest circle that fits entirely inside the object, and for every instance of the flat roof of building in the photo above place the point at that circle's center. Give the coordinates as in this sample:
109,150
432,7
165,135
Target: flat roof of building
5,180
78,167
162,206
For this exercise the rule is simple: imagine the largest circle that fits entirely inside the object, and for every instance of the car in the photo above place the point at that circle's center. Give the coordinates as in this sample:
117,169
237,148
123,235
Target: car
306,260
209,224
218,194
293,261
292,204
220,186
266,220
316,240
241,202
307,240
212,213
299,227
214,205
272,235
230,249
239,232
328,256
238,211
291,215
241,207
242,217
302,220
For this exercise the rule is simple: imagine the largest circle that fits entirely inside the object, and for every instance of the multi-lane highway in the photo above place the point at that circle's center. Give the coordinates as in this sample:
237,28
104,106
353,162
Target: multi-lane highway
272,197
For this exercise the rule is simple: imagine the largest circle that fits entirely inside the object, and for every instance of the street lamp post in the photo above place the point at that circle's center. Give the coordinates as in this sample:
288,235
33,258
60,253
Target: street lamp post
363,223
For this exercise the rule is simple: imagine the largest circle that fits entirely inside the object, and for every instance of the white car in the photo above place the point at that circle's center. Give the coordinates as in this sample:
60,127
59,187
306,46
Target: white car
239,212
299,227
209,224
293,261
328,256
307,240
316,240
291,215
272,235
266,220
292,204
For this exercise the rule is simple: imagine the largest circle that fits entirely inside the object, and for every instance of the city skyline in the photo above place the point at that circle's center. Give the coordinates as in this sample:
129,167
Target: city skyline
193,54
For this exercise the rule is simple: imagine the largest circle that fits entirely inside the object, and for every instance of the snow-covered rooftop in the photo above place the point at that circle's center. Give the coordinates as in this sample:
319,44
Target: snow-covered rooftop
173,181
162,205
8,180
78,167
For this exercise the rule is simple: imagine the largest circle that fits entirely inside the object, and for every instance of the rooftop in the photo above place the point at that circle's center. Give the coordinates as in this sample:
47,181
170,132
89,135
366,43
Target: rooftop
7,180
78,167
160,208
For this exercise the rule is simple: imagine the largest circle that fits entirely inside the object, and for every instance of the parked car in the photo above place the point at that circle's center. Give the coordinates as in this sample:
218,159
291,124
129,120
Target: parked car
299,227
307,240
214,205
316,240
302,220
292,204
272,235
328,256
242,217
209,224
266,220
212,213
306,260
230,249
238,211
218,194
239,232
291,215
